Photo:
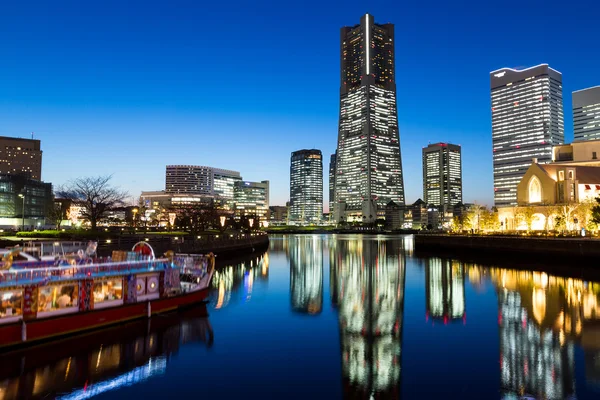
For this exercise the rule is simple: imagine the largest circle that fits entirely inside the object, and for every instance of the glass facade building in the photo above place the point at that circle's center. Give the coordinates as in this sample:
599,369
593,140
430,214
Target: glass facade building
442,175
527,120
19,195
332,164
369,167
586,114
251,199
306,186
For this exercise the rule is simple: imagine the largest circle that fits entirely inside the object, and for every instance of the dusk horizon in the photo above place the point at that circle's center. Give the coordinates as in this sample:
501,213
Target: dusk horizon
128,90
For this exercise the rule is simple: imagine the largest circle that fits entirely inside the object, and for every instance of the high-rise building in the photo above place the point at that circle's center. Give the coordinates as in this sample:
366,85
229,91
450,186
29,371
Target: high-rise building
442,175
332,164
369,167
306,186
252,199
586,114
200,180
527,120
21,157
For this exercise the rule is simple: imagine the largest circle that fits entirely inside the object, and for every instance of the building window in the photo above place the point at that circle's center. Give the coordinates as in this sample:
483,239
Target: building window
108,290
561,175
594,155
535,190
57,297
571,174
11,303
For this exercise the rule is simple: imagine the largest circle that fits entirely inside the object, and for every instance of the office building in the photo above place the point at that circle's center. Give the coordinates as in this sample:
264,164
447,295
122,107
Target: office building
369,167
200,180
442,175
332,164
251,199
21,157
527,120
586,114
306,186
278,215
24,202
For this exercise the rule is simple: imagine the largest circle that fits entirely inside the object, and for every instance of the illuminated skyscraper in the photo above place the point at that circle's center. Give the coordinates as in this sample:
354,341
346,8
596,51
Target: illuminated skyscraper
332,164
369,167
586,114
442,175
527,120
306,186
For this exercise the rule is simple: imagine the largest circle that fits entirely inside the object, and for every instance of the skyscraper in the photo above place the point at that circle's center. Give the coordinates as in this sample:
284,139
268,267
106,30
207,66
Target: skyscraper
306,186
527,120
332,164
586,114
442,175
369,167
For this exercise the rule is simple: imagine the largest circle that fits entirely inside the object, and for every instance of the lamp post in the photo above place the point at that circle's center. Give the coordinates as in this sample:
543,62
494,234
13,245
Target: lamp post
22,195
222,219
134,211
250,222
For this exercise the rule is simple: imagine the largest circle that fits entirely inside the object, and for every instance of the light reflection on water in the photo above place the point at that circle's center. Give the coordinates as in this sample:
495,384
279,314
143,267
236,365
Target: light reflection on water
351,316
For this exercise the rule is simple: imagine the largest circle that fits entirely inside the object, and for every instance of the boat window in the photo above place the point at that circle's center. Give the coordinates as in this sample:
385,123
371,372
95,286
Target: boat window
11,303
57,297
107,290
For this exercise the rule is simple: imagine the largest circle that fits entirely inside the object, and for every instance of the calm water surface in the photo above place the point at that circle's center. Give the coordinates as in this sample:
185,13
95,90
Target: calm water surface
338,316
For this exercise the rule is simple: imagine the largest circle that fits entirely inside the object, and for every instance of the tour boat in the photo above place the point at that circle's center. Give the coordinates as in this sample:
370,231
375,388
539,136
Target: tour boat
45,296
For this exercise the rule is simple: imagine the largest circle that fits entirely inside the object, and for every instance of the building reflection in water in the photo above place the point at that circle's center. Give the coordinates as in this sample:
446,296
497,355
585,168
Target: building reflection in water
541,318
367,281
106,360
306,274
444,290
227,280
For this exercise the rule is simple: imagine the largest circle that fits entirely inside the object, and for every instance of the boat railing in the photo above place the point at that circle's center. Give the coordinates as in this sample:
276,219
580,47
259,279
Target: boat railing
69,272
45,248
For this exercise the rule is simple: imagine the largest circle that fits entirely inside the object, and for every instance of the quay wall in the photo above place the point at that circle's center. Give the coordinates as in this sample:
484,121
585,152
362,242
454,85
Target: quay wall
223,247
508,246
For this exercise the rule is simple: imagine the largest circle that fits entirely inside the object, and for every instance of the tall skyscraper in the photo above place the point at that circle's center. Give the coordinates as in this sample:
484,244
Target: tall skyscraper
586,114
369,167
527,120
332,164
442,175
306,186
21,157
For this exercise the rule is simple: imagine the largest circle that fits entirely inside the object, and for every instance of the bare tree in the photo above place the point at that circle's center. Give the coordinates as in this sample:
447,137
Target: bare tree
526,214
94,195
56,214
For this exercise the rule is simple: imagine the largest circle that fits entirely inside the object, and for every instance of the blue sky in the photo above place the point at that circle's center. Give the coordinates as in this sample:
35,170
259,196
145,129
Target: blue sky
125,88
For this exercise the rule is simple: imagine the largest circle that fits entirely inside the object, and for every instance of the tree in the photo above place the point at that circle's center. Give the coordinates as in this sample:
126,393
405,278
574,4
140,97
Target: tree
56,214
489,220
595,212
198,216
567,213
526,214
95,195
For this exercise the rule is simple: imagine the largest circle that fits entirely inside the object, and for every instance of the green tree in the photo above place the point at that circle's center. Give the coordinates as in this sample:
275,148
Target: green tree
595,212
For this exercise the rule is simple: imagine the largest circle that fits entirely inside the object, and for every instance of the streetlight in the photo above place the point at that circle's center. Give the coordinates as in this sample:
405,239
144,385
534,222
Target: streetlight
222,219
250,222
22,195
134,211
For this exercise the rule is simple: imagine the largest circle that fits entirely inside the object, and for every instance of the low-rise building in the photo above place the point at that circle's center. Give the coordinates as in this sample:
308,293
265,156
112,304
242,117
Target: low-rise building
24,202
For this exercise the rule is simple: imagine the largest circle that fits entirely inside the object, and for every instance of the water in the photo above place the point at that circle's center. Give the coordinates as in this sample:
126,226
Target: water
341,317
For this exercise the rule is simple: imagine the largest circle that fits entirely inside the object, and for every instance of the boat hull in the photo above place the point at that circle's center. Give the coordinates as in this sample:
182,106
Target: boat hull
37,330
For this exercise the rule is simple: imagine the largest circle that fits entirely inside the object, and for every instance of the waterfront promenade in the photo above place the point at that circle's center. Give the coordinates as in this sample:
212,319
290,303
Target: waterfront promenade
553,247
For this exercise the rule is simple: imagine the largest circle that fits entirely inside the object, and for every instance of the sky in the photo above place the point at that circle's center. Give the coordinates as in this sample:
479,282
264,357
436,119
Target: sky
126,88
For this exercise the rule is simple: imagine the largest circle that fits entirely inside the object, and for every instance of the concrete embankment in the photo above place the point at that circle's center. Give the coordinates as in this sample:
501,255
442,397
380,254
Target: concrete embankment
559,248
225,246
